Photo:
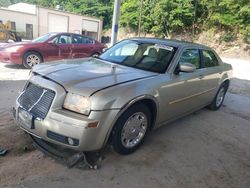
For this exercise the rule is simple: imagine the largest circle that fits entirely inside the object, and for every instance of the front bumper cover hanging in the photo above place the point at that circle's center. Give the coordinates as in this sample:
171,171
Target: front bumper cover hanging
71,158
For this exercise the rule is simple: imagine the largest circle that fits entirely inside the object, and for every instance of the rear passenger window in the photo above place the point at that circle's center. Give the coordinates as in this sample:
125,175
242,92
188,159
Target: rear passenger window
209,58
191,56
77,39
86,40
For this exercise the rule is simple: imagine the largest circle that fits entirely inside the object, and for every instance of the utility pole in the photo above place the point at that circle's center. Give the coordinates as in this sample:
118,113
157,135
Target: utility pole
140,15
115,21
194,19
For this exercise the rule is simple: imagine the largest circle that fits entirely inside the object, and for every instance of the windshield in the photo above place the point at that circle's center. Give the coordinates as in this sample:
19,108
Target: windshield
141,55
44,37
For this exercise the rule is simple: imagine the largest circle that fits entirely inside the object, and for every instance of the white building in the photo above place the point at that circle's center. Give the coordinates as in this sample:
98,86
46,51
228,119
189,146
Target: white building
33,21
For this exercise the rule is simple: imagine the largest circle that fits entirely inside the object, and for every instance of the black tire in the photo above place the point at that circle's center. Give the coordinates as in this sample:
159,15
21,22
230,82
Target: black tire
118,133
215,105
27,59
95,54
18,39
5,36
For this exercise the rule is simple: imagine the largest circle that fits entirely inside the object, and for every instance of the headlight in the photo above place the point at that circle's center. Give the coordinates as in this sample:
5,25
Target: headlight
12,49
77,103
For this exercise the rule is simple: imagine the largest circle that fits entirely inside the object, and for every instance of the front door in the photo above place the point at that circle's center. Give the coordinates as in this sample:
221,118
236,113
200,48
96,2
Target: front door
64,44
59,47
184,90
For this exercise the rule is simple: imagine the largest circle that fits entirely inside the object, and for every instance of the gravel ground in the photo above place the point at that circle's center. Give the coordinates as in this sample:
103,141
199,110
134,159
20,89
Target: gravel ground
204,149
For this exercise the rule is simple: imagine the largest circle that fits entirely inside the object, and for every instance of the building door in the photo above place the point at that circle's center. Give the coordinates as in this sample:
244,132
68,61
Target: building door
93,35
91,28
58,23
29,31
13,26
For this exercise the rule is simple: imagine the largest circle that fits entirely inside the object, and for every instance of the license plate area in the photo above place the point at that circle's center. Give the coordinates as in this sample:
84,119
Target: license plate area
25,118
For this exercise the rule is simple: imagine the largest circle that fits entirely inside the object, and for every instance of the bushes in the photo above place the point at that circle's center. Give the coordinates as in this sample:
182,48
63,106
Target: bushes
163,17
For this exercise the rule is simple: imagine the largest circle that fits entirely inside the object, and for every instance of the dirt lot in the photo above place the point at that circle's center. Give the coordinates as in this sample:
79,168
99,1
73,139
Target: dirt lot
204,149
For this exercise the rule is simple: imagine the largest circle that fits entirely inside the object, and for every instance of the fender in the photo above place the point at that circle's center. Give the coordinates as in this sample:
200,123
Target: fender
128,105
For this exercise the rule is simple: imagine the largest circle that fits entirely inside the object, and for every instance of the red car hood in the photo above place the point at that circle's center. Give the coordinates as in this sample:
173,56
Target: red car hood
12,44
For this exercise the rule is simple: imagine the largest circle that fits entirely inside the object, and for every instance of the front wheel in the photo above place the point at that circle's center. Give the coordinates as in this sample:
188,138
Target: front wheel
219,98
4,36
131,129
31,59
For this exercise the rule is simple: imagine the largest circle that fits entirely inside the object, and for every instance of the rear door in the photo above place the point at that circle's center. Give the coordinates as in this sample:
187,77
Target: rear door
82,46
211,74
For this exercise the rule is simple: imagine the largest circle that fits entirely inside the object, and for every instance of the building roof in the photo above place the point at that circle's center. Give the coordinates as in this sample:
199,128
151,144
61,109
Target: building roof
23,7
32,9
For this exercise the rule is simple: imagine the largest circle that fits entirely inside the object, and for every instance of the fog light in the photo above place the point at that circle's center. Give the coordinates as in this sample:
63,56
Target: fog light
70,141
63,139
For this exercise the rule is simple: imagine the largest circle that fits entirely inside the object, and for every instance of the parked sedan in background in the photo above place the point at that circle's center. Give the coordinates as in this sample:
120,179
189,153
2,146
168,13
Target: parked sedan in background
133,87
52,46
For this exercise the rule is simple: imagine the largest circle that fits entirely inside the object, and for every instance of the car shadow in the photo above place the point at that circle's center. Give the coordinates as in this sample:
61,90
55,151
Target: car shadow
13,66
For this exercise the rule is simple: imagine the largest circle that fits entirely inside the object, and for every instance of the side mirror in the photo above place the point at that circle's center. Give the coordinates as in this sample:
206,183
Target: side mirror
187,67
51,42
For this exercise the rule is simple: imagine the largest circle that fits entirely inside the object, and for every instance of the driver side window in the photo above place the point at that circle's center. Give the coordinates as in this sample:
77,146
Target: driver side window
62,39
191,56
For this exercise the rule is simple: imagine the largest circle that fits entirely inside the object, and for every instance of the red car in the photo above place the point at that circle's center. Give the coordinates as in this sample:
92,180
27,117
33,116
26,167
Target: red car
52,46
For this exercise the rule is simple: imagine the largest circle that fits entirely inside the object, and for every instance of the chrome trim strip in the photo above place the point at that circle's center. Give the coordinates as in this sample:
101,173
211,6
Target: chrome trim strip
17,102
44,91
191,96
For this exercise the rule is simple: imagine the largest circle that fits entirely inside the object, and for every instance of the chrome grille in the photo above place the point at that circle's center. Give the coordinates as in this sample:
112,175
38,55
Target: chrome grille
36,100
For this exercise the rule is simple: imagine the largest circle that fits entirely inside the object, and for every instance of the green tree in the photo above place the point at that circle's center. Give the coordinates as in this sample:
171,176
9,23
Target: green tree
170,16
130,14
163,17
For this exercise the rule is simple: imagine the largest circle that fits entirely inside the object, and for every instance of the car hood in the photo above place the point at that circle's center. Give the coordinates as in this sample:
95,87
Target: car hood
13,44
89,75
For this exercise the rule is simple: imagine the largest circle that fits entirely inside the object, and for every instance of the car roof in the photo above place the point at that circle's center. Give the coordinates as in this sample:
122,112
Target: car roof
59,33
62,33
169,42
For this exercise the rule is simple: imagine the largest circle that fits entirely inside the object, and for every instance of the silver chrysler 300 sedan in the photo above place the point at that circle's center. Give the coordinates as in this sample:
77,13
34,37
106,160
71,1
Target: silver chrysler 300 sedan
137,85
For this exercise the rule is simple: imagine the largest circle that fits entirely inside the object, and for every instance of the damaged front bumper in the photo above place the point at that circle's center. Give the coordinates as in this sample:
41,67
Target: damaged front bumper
71,158
60,126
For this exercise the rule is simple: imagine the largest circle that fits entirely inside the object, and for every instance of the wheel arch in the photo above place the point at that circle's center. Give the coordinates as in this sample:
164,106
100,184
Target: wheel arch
148,100
227,82
32,50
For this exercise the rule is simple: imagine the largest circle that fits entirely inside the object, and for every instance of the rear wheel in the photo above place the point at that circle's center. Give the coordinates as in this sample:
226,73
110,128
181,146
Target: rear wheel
95,55
219,98
131,129
31,59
